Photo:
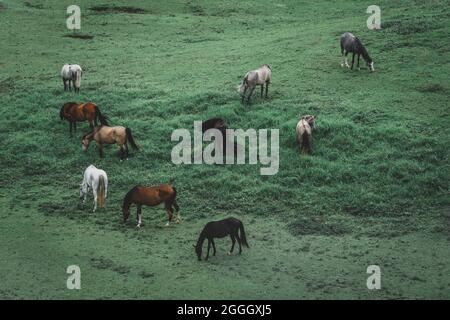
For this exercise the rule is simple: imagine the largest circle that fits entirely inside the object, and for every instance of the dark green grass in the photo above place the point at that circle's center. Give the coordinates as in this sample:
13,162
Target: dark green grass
374,191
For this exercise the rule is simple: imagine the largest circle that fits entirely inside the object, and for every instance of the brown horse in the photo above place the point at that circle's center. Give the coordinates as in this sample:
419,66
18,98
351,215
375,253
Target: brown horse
151,196
110,135
76,112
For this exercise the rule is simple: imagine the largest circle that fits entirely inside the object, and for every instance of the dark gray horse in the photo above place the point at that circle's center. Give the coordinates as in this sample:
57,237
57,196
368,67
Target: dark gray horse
350,43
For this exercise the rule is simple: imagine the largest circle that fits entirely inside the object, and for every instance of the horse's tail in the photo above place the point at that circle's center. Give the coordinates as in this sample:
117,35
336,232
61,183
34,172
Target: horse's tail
174,203
101,117
305,142
101,191
78,78
131,139
243,238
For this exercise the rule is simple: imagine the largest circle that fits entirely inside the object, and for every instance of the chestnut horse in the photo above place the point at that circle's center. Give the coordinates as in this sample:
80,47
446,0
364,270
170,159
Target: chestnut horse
77,112
110,135
151,196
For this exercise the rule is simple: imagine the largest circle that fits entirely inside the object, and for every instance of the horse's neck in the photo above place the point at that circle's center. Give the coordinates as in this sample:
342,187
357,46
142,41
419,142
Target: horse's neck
201,239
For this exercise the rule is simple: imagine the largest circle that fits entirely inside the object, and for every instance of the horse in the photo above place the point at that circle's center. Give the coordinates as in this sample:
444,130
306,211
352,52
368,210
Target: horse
350,43
151,196
76,112
109,135
260,76
71,72
304,133
222,126
220,229
97,180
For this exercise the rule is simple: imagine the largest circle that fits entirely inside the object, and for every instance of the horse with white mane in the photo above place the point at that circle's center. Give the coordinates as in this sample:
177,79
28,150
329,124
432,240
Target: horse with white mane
71,72
97,180
253,78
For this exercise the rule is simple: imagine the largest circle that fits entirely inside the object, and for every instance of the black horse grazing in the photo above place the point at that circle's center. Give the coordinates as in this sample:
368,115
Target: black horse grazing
350,43
221,125
220,229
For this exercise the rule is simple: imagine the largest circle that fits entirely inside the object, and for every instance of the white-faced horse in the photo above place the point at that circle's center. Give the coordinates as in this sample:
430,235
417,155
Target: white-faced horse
71,72
253,78
97,180
350,43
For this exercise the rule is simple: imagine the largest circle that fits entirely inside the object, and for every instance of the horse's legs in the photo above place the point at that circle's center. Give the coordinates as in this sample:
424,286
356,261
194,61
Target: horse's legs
139,215
100,149
169,213
214,246
345,59
209,247
70,88
121,152
232,244
70,128
94,191
267,88
353,60
358,62
262,90
75,127
239,242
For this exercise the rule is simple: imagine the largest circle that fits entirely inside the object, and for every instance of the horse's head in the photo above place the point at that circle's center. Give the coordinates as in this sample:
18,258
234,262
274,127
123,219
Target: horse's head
85,144
198,251
125,213
81,191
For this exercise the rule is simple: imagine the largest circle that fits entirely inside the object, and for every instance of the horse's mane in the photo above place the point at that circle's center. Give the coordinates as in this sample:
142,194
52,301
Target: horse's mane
129,195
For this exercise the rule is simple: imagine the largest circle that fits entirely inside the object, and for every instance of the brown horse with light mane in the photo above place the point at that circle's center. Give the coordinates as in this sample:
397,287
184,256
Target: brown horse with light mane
151,196
77,112
110,135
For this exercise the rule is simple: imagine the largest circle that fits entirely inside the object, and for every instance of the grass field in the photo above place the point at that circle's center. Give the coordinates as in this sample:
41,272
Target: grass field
374,191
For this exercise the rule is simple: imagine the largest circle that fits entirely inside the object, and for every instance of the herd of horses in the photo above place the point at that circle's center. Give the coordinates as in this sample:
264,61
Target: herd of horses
97,180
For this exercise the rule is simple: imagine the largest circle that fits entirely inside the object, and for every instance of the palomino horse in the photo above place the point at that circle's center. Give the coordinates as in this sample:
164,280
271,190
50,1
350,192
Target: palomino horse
350,43
76,112
110,135
151,196
71,73
304,133
220,229
253,78
97,180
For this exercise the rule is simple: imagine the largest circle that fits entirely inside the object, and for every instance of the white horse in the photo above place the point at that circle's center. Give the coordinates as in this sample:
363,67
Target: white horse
253,78
97,180
304,133
71,72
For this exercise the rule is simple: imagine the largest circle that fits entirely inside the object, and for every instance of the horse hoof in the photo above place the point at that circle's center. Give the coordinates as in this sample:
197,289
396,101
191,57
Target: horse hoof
229,253
167,224
178,221
138,226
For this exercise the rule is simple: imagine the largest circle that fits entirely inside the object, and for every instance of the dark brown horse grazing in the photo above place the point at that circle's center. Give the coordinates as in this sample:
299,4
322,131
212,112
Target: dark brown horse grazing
220,229
110,135
76,112
151,196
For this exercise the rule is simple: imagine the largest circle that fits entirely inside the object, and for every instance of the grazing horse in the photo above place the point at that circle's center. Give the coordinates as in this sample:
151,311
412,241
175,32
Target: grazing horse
97,180
221,125
71,73
151,196
253,78
221,229
76,112
304,133
350,43
110,135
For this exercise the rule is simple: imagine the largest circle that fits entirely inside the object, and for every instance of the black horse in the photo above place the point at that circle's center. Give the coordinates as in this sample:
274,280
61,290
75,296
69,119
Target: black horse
221,125
220,229
350,43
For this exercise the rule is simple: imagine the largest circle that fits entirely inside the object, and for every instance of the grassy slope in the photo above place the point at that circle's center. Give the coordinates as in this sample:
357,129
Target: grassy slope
374,192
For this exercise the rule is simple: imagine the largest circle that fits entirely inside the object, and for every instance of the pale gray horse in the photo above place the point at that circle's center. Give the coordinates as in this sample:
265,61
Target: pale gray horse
71,73
350,43
253,78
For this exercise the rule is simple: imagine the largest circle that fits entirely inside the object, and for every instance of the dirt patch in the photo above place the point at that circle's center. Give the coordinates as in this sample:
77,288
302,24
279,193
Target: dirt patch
107,264
79,36
431,88
33,5
316,226
104,8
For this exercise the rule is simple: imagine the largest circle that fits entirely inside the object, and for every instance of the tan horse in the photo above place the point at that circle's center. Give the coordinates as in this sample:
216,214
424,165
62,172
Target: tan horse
151,196
110,135
253,78
304,133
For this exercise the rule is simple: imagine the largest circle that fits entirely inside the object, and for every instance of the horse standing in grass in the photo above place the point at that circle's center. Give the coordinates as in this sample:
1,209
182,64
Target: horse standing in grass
97,180
261,76
71,73
77,112
304,133
151,196
350,43
221,229
110,135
